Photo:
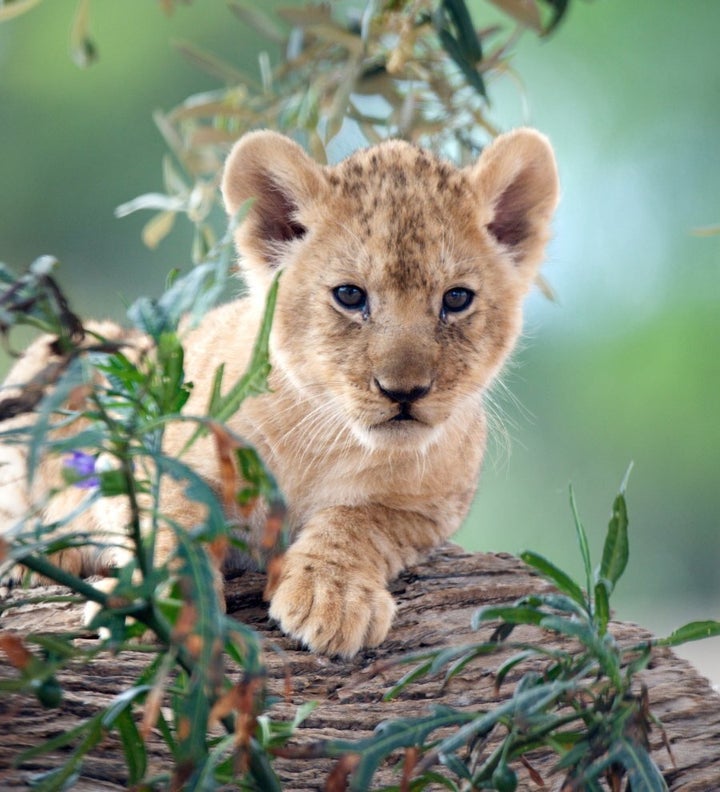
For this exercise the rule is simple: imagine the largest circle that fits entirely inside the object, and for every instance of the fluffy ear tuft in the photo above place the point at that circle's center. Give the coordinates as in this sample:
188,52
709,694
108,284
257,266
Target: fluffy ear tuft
275,172
517,178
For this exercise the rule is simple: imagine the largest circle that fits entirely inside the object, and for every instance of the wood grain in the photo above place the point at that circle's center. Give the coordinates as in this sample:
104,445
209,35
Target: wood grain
436,600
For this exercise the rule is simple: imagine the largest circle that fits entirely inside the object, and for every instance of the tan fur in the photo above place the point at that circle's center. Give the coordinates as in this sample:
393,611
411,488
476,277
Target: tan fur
368,495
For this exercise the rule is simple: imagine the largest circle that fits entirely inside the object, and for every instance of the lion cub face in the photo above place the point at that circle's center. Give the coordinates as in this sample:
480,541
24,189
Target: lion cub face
403,276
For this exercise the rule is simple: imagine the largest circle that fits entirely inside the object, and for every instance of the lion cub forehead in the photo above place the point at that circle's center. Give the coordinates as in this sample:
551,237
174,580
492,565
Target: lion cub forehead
403,207
396,169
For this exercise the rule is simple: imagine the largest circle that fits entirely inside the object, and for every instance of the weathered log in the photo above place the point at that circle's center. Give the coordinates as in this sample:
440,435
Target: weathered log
435,602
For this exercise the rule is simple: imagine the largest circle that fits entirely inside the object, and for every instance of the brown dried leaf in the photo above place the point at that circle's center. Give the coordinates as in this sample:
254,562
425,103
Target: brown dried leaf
226,704
157,228
274,572
533,773
77,400
273,526
183,728
545,288
209,136
151,710
225,444
186,621
218,550
526,12
18,654
305,16
337,781
409,762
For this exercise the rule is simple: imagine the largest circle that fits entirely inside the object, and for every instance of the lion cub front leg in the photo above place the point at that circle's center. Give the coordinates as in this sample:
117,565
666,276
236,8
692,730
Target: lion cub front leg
332,591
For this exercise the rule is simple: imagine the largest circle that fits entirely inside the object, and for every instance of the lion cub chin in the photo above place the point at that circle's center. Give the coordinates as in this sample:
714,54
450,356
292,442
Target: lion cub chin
400,299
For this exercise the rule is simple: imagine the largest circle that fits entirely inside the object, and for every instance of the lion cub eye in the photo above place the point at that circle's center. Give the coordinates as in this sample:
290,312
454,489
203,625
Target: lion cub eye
456,300
350,297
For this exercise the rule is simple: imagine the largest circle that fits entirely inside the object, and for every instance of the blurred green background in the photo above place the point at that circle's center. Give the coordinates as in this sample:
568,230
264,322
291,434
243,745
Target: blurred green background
624,366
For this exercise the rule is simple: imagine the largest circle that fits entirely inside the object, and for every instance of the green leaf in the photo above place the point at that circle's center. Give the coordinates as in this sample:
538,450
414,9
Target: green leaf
616,550
511,614
582,541
406,679
560,8
467,37
506,667
196,489
456,765
555,575
521,706
254,381
570,627
469,70
469,655
59,741
602,606
693,631
133,747
261,770
121,703
643,774
392,735
431,780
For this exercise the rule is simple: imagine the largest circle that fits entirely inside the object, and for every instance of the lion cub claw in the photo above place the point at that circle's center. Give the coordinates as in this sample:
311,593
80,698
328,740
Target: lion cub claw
331,609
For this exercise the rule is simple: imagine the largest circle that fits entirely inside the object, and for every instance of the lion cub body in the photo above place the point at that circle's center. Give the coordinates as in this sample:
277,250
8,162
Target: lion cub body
400,299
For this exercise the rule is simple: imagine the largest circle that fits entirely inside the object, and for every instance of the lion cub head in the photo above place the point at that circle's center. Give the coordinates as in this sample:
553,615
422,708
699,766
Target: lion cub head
403,276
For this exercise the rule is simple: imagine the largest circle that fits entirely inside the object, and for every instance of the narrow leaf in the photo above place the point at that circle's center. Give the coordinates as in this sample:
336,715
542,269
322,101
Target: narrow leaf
616,550
559,7
467,37
511,614
13,8
156,229
643,774
602,606
523,11
392,735
248,13
555,575
133,747
210,63
693,631
582,541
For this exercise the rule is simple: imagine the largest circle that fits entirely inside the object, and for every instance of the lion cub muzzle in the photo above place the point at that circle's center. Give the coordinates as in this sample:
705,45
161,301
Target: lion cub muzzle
404,399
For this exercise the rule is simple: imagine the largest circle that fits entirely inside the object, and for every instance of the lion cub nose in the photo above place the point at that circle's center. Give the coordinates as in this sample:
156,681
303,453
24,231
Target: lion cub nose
403,396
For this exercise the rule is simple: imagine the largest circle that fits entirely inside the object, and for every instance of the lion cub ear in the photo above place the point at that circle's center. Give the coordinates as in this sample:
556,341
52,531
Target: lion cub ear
517,183
283,181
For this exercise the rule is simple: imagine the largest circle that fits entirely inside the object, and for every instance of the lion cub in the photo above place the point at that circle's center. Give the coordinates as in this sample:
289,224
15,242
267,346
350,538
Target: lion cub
400,299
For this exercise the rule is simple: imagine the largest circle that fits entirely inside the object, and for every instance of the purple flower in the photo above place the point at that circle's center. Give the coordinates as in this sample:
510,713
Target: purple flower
81,470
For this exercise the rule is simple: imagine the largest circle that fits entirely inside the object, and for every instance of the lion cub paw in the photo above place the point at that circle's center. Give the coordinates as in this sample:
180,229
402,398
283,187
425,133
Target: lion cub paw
331,609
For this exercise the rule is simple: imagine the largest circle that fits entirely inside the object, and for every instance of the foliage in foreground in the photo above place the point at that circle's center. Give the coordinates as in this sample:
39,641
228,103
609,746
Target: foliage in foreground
123,404
582,701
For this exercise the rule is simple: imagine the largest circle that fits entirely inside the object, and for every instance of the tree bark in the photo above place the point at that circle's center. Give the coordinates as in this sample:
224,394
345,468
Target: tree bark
436,600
